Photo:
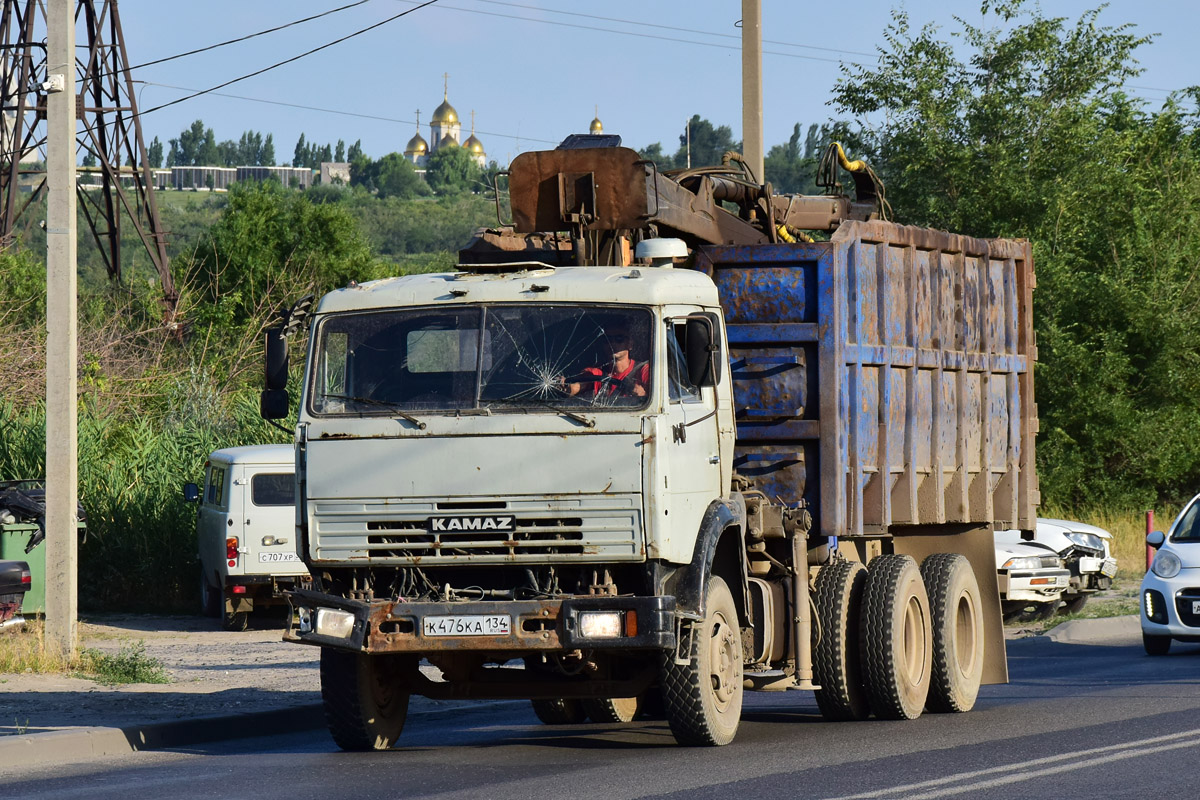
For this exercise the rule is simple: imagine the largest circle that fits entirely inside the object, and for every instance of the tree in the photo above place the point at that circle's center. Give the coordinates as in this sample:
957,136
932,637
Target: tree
396,177
654,152
1030,135
339,154
154,153
89,160
451,170
355,150
267,157
707,143
300,154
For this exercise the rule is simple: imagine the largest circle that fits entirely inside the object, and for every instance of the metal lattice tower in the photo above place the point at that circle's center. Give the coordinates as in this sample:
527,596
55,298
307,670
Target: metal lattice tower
110,133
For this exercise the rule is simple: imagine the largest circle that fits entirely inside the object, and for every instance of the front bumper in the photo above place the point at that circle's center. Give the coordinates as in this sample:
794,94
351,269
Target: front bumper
1176,605
1033,586
387,626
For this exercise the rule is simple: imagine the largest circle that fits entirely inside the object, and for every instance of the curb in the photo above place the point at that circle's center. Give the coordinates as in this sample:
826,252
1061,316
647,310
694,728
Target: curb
82,744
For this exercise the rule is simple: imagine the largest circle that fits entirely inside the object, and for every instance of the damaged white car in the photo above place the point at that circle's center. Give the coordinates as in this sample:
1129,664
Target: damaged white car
1031,578
1085,551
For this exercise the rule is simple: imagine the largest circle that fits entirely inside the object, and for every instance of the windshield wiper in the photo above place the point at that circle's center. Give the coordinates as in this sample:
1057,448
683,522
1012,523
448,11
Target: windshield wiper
394,407
580,418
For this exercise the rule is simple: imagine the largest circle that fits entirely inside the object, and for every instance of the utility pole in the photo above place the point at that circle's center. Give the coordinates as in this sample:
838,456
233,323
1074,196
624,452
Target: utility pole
752,139
62,474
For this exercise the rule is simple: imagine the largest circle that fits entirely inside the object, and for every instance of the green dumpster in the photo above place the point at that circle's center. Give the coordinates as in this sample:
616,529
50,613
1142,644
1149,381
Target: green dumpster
13,539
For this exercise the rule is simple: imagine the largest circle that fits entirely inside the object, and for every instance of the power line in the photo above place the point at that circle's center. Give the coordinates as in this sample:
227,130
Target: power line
293,58
248,36
669,27
639,35
335,111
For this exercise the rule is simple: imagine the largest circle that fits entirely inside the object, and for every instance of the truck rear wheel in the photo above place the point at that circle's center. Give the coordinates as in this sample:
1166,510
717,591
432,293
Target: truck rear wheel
896,638
957,614
559,711
612,709
837,595
365,698
703,696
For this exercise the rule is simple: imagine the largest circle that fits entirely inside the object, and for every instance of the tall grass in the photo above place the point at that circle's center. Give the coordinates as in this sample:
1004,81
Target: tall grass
140,551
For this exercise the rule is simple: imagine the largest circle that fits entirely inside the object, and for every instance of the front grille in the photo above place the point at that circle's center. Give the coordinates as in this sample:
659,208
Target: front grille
587,529
1183,606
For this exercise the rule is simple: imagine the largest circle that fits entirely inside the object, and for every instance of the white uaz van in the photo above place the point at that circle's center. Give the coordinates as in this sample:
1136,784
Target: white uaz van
246,531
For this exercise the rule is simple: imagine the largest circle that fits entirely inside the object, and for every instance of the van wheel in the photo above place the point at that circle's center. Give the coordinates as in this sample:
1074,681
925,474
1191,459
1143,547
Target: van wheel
559,711
235,620
612,709
365,698
837,595
956,611
896,638
210,598
703,696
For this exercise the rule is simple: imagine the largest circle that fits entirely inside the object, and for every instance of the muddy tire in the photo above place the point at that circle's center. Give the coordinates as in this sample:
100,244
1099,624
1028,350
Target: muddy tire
837,594
559,711
210,598
365,699
612,709
956,611
1156,645
896,638
702,698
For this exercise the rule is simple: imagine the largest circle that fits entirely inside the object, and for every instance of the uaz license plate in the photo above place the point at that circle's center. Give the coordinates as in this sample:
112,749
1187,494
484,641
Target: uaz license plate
468,625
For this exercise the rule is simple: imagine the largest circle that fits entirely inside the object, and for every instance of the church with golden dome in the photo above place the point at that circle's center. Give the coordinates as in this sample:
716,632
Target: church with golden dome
445,130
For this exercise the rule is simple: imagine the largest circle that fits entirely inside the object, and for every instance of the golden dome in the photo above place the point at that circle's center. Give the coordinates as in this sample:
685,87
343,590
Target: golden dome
447,141
444,115
416,146
474,146
596,127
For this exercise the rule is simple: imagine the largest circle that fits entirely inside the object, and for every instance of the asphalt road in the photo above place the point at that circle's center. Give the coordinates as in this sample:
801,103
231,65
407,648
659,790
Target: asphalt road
1076,721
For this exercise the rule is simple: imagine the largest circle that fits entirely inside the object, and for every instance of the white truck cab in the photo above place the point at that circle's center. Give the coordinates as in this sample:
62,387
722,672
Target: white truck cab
245,530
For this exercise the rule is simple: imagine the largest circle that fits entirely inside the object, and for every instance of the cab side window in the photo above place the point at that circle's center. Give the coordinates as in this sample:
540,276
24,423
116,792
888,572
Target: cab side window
214,489
273,489
680,388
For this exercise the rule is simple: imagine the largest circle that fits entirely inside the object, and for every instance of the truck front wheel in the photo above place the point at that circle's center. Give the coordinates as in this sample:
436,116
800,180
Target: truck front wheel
703,696
837,595
957,613
365,698
896,638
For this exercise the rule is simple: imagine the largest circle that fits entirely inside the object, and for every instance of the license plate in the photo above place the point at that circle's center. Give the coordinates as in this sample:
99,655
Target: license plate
1109,569
1196,606
271,558
468,625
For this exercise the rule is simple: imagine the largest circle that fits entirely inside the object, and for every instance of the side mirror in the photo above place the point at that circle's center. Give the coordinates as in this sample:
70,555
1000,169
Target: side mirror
700,350
276,360
273,404
1155,538
191,492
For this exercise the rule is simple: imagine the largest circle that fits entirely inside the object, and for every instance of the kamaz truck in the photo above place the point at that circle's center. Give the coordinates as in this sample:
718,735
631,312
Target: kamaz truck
663,439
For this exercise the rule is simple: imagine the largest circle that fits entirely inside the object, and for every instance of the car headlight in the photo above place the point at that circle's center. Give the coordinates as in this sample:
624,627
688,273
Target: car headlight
1088,540
1166,564
1027,562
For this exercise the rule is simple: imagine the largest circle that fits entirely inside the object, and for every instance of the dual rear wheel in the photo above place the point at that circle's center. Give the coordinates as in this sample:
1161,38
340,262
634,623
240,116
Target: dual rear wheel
895,639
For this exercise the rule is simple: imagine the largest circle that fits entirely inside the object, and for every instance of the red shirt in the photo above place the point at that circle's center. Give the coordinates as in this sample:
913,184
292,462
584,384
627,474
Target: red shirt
642,377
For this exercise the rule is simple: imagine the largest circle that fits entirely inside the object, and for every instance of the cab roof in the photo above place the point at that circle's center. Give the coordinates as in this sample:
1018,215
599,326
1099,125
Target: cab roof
542,285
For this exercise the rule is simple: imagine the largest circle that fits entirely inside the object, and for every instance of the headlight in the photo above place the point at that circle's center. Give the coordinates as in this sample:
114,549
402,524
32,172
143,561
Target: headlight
600,624
1028,562
331,622
1088,540
1166,564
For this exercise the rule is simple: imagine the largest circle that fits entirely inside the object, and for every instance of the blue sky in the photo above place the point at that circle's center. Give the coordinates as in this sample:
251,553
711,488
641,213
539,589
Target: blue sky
530,81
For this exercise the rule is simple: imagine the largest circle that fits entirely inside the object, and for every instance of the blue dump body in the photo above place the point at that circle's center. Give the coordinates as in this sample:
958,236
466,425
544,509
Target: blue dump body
885,377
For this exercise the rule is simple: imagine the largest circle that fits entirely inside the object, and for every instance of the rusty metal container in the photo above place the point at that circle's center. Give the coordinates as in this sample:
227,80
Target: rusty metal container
884,377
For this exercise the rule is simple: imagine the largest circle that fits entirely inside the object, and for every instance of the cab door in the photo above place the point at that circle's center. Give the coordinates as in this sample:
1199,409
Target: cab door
690,451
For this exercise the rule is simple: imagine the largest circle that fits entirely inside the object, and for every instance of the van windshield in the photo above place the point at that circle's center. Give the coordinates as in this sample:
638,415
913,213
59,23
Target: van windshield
503,358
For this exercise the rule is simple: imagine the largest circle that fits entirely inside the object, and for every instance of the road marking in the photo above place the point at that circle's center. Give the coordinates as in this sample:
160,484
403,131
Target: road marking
1024,770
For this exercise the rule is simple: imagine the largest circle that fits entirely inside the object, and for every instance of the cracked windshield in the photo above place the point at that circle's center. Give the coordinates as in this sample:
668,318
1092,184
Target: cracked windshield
502,358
